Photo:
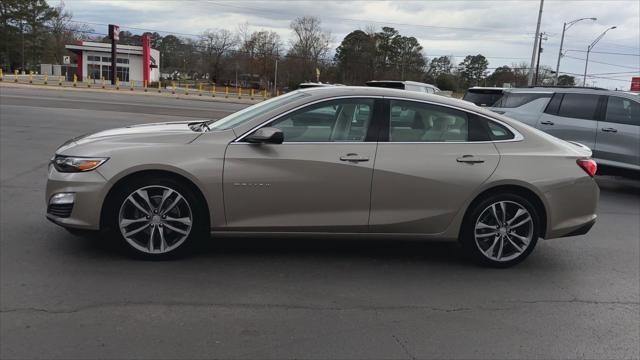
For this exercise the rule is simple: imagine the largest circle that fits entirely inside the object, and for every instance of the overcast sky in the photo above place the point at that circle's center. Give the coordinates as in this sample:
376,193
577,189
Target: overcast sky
503,31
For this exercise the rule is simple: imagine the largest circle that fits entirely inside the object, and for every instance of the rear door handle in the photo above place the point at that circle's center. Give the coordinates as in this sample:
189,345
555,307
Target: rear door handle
470,159
609,130
546,122
353,158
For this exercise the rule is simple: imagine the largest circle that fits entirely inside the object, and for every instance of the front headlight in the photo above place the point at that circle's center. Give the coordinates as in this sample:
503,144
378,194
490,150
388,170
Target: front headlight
69,164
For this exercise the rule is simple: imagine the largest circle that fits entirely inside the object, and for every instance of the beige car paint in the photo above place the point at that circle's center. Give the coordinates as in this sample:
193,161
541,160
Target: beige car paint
310,190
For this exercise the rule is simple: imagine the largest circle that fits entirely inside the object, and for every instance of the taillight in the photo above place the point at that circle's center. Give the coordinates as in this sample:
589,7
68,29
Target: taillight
588,165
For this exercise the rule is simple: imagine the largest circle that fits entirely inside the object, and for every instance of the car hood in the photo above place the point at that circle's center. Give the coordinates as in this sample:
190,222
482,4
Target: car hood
179,132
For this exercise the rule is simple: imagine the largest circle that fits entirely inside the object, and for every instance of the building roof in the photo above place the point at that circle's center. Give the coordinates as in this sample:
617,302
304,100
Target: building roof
104,47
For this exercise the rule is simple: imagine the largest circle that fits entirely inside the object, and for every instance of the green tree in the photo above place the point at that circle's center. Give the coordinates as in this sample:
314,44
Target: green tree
473,69
566,80
356,58
501,75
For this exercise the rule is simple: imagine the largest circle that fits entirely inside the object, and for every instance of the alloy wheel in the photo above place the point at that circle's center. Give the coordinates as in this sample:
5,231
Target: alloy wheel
155,219
503,231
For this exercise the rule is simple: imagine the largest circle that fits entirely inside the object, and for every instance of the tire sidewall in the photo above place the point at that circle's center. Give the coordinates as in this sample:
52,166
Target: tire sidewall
467,237
118,196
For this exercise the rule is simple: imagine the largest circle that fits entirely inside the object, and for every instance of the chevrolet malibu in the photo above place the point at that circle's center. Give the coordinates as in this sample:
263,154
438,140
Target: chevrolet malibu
339,161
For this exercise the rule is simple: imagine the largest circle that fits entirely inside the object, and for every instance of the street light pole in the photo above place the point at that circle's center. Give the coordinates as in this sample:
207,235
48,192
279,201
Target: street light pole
566,27
586,63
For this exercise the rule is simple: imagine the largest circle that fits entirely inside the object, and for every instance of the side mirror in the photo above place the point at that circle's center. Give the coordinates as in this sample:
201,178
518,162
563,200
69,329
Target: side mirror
266,135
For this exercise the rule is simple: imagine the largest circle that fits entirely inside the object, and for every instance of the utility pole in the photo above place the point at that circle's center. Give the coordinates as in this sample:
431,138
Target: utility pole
114,34
535,81
535,45
275,79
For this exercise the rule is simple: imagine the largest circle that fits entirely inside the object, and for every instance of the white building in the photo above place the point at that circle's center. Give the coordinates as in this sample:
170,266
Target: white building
94,62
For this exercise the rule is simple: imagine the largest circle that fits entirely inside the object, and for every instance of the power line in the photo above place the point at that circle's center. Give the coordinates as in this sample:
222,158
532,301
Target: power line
604,63
604,52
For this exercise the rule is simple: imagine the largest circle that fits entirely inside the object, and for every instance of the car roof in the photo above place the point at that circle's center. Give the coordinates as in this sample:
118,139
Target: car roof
327,92
573,90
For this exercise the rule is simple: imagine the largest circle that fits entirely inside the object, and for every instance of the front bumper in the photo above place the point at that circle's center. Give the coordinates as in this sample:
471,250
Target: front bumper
89,189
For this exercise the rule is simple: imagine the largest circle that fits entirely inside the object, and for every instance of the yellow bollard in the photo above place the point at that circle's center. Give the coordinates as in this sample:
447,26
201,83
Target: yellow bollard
75,80
186,89
60,81
15,76
46,78
89,83
173,84
213,90
200,89
145,85
1,74
102,80
277,92
159,90
117,83
239,93
226,90
251,94
30,77
131,84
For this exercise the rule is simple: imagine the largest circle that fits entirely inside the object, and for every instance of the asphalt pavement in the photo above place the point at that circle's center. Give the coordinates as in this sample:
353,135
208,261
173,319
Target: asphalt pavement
68,297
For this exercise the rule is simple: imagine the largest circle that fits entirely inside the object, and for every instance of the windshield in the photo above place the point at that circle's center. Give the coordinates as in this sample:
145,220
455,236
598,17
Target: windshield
251,112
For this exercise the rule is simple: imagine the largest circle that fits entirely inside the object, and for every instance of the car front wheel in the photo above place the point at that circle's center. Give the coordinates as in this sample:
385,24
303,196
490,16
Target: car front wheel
501,230
156,219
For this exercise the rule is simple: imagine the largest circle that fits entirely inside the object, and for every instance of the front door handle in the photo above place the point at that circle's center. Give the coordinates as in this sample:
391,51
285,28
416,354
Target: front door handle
609,130
547,122
353,158
470,159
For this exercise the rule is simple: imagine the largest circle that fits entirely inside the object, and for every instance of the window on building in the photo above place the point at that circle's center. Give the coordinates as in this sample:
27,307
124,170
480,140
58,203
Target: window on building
122,61
106,59
106,72
93,58
123,73
93,71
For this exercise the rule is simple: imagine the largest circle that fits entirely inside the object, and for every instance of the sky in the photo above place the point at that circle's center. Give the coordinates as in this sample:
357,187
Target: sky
503,31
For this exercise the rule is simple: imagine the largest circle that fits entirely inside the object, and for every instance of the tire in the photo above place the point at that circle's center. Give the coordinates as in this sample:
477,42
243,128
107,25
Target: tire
491,240
155,217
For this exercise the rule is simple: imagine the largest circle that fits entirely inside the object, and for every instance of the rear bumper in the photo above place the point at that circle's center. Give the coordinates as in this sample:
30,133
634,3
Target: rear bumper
582,229
572,208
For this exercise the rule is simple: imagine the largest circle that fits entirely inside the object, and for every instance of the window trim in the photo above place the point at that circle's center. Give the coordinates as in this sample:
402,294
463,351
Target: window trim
517,136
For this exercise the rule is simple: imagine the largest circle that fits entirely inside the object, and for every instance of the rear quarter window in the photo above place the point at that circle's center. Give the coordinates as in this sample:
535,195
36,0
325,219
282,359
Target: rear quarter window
579,106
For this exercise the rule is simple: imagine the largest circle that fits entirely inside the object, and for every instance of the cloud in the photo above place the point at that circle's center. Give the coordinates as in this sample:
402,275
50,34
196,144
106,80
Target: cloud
501,30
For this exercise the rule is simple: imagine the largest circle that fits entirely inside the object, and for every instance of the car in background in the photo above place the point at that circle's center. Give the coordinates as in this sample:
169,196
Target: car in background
308,85
344,160
483,96
608,122
405,85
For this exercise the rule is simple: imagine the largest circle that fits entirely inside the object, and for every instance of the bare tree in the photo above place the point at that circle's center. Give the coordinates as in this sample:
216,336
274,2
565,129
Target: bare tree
65,31
214,45
309,46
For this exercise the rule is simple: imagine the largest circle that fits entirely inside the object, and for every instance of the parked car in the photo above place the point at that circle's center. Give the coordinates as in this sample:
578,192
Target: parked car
348,161
405,85
608,122
483,96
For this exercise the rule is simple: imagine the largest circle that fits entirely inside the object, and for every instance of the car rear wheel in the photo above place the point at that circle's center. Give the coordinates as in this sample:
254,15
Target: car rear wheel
156,218
501,230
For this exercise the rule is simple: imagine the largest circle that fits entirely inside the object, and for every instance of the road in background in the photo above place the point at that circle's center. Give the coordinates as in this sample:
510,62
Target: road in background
67,297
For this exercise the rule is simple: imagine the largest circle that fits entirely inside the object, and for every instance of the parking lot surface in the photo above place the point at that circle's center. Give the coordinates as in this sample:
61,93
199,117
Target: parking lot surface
68,297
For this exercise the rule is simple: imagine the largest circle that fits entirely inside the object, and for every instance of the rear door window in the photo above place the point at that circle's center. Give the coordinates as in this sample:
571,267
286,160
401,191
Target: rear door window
580,106
513,100
623,111
419,122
